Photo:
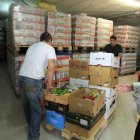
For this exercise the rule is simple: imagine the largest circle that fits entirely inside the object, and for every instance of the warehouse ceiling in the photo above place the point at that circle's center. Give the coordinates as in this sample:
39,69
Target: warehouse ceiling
120,11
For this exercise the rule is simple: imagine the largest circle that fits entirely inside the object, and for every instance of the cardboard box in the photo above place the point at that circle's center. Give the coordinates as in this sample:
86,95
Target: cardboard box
79,64
103,81
84,121
55,119
81,74
81,131
60,84
62,74
58,108
110,105
110,92
63,99
103,71
79,82
86,107
84,65
105,59
72,64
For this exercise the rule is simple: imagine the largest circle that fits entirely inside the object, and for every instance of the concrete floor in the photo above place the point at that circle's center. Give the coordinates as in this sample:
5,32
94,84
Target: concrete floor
13,125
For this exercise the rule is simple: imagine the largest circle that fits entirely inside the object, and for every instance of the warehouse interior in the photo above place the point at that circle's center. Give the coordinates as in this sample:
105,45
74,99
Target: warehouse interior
13,125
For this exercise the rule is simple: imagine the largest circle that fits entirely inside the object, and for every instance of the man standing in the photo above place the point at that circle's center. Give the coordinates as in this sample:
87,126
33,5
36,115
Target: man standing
38,57
113,47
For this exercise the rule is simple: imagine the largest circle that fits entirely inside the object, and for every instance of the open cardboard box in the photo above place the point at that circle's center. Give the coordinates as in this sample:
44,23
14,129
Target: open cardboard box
63,99
103,71
86,107
103,81
110,92
81,131
105,59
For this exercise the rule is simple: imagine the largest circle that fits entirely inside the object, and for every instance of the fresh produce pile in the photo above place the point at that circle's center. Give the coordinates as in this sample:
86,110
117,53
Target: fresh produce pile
92,95
66,89
60,91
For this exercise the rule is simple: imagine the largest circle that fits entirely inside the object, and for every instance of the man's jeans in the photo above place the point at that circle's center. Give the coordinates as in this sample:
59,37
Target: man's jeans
31,93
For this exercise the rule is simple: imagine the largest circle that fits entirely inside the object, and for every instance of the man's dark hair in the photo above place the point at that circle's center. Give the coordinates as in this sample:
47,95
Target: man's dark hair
113,37
45,37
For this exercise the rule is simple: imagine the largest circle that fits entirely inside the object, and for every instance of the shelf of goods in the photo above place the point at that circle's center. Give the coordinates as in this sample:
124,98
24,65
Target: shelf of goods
13,66
127,36
83,30
59,26
104,29
128,63
25,25
2,43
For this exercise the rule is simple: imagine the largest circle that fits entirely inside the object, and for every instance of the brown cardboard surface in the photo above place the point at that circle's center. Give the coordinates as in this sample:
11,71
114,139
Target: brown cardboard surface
72,64
79,64
86,107
107,82
63,99
72,73
81,131
103,71
75,73
84,65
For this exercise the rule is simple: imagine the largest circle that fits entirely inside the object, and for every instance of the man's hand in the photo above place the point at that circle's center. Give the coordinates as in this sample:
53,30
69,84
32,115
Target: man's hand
124,88
50,88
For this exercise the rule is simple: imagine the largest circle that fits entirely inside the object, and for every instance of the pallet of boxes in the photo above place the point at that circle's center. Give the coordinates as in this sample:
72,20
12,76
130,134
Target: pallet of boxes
57,102
91,109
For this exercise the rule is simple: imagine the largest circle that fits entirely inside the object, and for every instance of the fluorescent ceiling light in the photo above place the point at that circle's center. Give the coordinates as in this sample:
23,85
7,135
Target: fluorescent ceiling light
132,2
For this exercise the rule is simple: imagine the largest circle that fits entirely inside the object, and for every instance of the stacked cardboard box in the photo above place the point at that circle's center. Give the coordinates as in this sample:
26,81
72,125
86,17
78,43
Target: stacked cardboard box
85,115
104,29
79,73
105,77
62,61
81,56
57,105
25,24
59,26
128,63
128,36
61,77
83,30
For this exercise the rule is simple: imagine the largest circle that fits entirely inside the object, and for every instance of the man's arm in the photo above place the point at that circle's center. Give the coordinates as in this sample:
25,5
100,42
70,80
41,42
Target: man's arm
51,63
120,52
120,55
105,49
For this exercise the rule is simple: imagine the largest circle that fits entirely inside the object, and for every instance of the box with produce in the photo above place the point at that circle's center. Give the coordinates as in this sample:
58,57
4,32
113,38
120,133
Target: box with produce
87,101
61,95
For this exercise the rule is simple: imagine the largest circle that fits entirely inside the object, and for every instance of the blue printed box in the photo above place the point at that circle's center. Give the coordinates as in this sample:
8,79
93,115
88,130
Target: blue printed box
55,119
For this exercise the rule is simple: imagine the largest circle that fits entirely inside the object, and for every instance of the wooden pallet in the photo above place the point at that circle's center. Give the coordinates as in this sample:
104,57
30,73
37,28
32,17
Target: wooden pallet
83,49
129,73
51,127
137,119
100,48
68,135
129,49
